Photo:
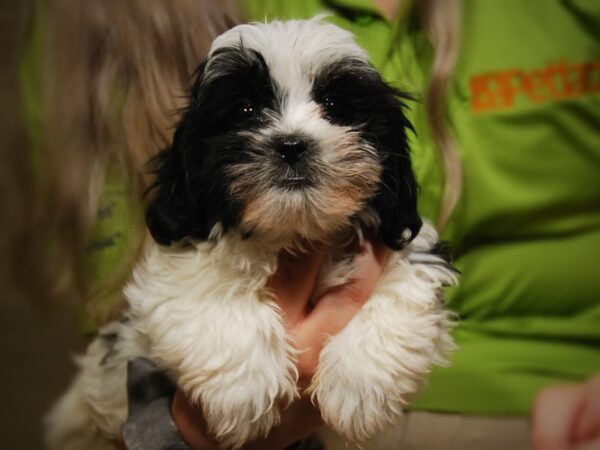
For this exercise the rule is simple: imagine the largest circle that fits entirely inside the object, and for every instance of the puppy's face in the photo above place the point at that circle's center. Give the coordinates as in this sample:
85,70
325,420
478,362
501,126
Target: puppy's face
290,133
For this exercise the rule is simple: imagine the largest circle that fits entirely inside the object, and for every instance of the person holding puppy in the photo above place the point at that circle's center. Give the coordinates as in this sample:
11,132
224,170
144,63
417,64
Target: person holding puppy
519,233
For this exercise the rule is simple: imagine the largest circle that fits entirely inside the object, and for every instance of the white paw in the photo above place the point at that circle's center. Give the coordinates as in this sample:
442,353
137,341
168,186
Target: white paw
356,414
368,372
356,394
242,402
239,414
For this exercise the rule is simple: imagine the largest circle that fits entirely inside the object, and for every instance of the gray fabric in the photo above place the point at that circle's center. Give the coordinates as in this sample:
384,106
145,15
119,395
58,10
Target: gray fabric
149,425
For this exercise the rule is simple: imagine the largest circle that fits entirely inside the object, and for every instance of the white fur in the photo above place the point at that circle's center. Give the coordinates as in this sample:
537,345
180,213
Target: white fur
212,322
294,51
206,316
71,426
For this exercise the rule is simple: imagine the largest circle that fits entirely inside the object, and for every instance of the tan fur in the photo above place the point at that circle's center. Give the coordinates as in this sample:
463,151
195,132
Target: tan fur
345,171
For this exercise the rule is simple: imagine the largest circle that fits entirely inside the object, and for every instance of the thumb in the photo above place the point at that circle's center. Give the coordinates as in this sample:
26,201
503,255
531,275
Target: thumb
293,284
340,304
337,307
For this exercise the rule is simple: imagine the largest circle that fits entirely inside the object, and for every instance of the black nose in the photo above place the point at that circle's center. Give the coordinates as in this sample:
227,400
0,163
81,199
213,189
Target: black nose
291,148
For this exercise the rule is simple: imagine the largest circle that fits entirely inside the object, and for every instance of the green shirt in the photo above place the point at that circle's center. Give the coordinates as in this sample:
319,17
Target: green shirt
524,108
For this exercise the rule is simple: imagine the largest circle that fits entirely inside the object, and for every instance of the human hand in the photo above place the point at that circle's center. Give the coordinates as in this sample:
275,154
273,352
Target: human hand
567,417
311,326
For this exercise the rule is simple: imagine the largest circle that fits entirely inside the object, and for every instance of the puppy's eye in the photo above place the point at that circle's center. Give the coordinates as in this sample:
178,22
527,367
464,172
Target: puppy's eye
329,102
245,110
332,104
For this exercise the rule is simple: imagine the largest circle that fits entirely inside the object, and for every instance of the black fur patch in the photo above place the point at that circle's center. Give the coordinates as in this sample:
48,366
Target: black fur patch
442,249
353,94
228,96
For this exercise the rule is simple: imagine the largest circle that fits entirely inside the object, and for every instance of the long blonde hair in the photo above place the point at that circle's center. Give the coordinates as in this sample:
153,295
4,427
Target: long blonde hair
115,74
441,21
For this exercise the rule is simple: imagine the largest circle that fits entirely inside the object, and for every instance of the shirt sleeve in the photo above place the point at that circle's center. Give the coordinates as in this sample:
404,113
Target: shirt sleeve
149,425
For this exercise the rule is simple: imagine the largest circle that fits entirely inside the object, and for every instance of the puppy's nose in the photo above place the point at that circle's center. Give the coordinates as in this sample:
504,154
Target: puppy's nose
291,148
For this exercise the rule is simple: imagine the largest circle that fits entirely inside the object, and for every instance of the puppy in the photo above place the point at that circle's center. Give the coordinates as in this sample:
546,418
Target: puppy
291,139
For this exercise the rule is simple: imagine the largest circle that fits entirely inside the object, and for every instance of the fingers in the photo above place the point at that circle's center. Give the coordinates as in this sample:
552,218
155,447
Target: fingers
299,420
567,417
190,423
589,445
337,307
553,417
350,297
293,284
587,426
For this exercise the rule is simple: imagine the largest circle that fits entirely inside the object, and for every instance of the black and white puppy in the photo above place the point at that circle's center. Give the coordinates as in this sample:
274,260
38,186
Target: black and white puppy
291,139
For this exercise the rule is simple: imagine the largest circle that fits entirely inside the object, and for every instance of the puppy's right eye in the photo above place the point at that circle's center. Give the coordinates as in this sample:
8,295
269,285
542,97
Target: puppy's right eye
334,105
330,103
245,110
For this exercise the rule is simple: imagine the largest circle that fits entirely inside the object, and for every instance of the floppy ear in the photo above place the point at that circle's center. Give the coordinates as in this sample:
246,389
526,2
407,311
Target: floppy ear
396,201
183,206
168,216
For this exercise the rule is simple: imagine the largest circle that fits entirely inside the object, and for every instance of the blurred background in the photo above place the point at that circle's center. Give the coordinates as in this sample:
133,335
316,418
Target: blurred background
34,345
37,340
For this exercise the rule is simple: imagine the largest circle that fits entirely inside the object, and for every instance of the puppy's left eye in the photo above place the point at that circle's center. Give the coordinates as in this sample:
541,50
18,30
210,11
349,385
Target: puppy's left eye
245,110
330,103
333,104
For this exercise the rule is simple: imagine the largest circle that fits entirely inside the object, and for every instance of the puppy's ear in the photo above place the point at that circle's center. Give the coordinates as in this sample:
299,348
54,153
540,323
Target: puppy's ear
176,212
396,201
168,214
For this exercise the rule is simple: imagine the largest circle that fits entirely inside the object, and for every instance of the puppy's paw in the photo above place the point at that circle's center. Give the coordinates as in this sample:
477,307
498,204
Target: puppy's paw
243,403
240,415
357,397
368,372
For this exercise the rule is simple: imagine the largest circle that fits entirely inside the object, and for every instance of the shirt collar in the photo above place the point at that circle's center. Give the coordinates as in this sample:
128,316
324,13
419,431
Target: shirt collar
367,10
358,9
